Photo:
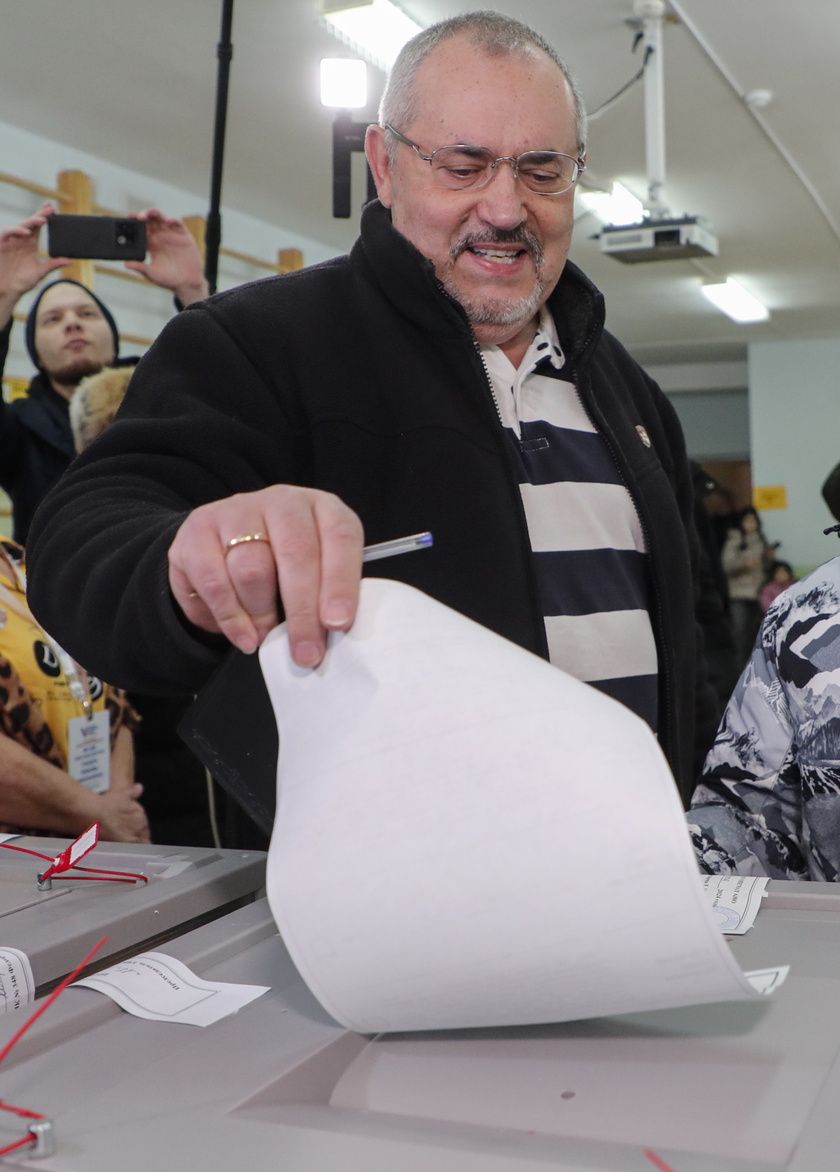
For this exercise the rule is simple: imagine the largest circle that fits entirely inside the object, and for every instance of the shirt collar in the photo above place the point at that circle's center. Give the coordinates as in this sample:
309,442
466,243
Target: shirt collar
545,345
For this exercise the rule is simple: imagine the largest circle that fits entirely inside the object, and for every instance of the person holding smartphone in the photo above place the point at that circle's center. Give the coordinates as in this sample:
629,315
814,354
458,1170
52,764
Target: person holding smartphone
70,334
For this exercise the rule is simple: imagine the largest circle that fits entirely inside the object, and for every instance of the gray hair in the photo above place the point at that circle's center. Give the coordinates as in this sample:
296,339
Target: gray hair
495,34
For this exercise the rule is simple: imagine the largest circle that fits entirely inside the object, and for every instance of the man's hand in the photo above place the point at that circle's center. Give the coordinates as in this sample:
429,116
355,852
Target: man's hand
174,260
20,267
312,563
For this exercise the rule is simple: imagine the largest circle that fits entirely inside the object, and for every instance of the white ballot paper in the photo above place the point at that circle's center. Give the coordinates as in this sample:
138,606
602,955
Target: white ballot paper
467,836
735,899
161,988
17,985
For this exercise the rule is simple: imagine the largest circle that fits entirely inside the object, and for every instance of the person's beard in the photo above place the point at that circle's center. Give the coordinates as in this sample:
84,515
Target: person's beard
490,310
71,373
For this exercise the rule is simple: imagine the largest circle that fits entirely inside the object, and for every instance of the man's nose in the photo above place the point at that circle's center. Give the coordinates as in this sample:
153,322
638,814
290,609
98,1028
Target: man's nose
502,201
72,320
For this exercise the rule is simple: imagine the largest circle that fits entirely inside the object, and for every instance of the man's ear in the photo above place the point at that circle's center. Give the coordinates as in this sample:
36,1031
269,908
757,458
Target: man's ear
380,164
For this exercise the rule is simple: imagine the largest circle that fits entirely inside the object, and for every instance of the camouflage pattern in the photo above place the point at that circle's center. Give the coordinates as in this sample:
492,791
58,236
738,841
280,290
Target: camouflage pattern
769,799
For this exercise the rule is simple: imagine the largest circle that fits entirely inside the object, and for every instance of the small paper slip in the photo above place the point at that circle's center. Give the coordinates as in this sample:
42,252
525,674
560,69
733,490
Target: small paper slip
8,837
735,900
160,988
767,981
17,985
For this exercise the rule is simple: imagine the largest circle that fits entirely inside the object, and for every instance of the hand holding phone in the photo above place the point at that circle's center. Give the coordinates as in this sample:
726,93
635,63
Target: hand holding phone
21,266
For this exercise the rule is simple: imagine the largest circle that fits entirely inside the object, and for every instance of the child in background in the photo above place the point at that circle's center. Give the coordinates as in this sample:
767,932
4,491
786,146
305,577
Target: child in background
779,577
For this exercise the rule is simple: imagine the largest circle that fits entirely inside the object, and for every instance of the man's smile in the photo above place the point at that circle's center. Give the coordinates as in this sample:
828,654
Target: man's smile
506,256
499,250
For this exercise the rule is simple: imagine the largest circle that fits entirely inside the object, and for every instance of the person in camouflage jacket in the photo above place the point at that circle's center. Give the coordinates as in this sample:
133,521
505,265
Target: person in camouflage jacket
769,799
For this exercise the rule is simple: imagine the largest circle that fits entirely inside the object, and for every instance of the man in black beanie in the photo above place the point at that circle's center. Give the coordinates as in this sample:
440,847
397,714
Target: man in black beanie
70,334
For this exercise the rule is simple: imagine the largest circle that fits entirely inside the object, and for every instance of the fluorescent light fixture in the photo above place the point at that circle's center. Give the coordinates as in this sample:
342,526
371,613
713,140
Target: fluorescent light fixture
617,207
343,83
734,300
377,29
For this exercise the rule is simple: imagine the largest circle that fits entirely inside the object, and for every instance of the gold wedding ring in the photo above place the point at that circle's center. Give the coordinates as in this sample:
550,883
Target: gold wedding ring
244,538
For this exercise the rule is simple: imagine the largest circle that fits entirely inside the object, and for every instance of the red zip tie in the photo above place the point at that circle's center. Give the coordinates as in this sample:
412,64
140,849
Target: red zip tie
21,1111
49,1000
25,850
132,875
657,1161
78,848
33,1138
20,1143
102,871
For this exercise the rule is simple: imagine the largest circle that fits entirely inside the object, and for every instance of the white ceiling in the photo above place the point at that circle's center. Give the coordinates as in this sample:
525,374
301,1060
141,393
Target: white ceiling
136,84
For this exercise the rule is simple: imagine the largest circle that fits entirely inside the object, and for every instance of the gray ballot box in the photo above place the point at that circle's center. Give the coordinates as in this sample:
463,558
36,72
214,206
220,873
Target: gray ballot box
729,1087
57,927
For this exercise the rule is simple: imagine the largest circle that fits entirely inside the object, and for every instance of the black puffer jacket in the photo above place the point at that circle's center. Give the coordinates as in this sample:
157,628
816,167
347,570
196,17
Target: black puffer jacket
358,376
36,444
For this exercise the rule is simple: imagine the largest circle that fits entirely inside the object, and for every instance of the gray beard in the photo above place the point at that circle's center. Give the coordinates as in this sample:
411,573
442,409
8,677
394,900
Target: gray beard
498,311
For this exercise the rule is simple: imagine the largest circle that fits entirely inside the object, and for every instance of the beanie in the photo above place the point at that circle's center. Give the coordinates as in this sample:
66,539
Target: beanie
33,313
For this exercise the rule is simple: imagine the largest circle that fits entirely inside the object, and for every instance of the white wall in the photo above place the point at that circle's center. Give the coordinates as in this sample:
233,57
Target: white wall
141,311
710,399
716,423
795,434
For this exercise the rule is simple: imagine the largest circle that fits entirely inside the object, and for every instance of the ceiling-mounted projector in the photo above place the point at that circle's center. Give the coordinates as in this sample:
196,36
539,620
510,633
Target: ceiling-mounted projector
657,236
659,240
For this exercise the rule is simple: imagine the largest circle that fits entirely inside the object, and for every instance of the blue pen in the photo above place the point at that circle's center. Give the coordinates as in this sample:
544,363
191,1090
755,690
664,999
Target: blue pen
387,549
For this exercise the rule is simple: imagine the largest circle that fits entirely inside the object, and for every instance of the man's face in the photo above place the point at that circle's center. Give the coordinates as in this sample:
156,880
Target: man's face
499,250
72,338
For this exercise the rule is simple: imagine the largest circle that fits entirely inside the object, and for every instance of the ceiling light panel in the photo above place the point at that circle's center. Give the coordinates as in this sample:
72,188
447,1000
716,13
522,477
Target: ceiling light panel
735,301
377,29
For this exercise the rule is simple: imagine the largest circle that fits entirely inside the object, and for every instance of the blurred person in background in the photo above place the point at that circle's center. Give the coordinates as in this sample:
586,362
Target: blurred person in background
176,794
45,701
779,577
70,333
746,558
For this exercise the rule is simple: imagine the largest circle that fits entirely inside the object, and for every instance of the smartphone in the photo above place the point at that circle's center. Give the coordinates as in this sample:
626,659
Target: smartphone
96,237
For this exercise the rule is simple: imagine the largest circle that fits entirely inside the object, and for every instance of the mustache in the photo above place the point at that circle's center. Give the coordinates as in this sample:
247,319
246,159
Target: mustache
484,237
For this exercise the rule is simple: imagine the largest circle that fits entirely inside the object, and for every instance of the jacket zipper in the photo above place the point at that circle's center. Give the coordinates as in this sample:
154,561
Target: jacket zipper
516,495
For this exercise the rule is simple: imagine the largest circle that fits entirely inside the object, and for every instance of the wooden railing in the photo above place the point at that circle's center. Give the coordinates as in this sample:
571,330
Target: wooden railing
73,194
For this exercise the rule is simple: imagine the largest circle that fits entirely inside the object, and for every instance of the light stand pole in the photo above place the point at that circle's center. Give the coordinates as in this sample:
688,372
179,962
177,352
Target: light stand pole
213,231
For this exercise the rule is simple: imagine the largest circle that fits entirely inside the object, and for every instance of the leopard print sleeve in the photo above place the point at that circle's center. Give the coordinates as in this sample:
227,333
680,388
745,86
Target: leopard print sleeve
21,718
121,712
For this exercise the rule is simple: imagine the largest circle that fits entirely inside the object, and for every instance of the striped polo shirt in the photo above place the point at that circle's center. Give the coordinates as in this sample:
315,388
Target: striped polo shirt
586,538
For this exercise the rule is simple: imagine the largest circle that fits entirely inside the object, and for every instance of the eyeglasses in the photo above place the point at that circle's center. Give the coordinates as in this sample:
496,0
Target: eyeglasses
467,167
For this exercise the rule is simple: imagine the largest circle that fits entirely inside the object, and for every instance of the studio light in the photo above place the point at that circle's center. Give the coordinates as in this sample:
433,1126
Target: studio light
343,83
377,29
616,207
734,300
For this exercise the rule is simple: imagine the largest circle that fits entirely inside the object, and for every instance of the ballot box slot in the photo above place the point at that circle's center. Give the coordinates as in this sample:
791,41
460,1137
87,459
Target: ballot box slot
150,943
755,1069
